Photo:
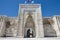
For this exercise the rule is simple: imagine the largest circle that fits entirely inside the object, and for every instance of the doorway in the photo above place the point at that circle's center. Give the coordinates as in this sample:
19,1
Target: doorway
29,33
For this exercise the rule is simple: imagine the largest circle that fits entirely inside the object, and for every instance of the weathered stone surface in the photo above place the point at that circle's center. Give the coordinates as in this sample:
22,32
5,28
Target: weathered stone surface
30,17
48,28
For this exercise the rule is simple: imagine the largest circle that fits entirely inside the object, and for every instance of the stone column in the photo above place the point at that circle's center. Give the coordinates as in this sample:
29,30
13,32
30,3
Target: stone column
2,30
20,21
39,23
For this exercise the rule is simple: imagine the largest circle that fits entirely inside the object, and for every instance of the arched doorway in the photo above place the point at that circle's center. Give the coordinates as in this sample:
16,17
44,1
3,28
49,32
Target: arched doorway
29,29
29,33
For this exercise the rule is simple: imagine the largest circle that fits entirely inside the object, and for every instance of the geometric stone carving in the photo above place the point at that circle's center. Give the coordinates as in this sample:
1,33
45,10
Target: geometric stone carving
28,12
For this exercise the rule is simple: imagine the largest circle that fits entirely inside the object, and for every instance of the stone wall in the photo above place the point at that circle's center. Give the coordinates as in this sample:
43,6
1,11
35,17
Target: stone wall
56,25
58,21
12,30
48,28
8,26
2,25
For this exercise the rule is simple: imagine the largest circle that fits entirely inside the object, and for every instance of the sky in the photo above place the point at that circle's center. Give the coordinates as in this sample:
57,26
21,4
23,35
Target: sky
48,7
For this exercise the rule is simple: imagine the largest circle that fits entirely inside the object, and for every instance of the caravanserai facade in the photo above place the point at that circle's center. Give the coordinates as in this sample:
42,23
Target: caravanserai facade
29,23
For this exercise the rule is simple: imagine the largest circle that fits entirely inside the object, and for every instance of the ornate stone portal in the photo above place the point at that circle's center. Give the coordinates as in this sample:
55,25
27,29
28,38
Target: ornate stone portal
30,18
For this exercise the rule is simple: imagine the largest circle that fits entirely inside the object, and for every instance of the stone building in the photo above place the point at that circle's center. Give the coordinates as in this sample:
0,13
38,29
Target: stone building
29,23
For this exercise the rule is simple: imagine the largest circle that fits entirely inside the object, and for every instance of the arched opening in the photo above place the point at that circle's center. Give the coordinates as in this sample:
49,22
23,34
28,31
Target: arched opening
29,29
29,33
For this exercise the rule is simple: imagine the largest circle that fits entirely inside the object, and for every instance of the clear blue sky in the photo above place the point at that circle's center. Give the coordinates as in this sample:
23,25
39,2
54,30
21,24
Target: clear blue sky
49,7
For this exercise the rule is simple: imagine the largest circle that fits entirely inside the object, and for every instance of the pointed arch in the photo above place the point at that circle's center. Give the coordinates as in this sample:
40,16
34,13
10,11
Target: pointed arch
29,24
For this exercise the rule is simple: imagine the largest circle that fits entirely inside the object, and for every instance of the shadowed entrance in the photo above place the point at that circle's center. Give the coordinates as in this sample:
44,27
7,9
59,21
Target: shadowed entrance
29,33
